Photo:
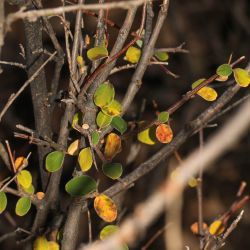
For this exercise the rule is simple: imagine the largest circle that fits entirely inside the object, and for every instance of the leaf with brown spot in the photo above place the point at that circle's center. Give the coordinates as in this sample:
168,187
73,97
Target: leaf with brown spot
164,133
112,146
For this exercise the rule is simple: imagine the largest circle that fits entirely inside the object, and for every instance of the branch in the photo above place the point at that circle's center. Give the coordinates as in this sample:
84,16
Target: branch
147,212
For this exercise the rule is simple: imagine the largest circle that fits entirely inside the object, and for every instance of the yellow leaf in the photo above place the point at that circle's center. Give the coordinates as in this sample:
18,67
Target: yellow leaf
105,208
53,245
113,109
192,182
20,162
24,178
73,147
216,228
41,243
242,77
85,159
146,136
112,146
208,93
133,54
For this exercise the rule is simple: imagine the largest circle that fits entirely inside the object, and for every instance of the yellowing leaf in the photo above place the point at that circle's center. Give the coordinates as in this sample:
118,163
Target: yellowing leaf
104,94
216,228
23,206
76,119
133,54
80,61
113,109
161,55
105,208
29,190
40,195
195,229
97,53
3,201
41,243
192,182
103,120
164,133
24,178
73,147
107,231
198,82
53,245
208,93
242,77
112,146
20,162
85,159
147,136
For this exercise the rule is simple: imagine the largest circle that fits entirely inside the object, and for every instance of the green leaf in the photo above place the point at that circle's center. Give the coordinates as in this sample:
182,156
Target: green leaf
161,56
163,117
77,117
29,190
198,82
23,206
95,138
224,70
97,53
242,77
85,159
24,178
133,54
3,201
54,161
81,185
104,94
139,43
113,109
112,170
119,124
103,120
107,231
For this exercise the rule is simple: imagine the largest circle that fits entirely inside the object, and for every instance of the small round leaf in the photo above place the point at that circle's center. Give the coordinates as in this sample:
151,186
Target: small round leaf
104,94
242,77
95,138
113,109
23,206
208,94
73,147
147,136
24,179
29,190
163,117
80,185
107,231
97,53
161,56
164,133
133,55
85,159
198,82
3,201
112,170
105,208
112,146
224,70
54,161
103,120
41,243
216,228
119,124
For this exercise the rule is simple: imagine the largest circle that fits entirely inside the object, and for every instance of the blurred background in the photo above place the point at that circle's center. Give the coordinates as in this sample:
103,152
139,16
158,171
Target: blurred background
211,31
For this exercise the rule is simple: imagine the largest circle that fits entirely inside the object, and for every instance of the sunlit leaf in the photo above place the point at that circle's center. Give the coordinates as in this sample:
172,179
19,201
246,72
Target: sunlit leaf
85,159
112,170
164,133
3,201
41,243
133,55
112,146
107,231
195,229
53,245
147,136
103,120
20,162
104,94
95,138
119,124
192,182
97,53
208,93
29,190
242,77
161,56
113,109
24,178
81,185
73,147
23,206
163,117
216,228
224,70
54,161
105,208
40,195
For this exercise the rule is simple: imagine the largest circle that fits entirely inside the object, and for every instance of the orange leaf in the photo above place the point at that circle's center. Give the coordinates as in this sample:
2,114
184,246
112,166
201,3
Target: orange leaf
195,229
40,195
20,161
105,208
112,146
164,133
